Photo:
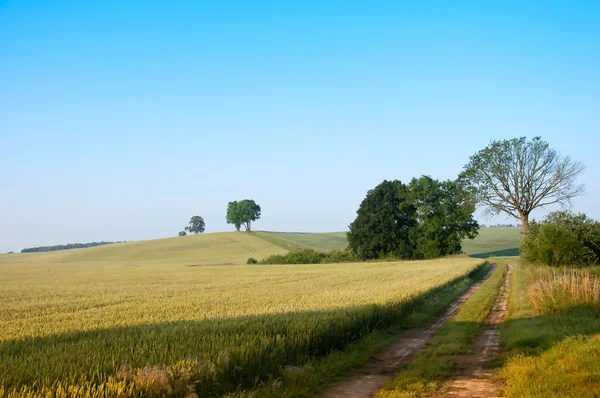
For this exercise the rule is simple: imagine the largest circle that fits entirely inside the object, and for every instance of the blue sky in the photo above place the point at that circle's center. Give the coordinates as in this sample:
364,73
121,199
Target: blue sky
120,120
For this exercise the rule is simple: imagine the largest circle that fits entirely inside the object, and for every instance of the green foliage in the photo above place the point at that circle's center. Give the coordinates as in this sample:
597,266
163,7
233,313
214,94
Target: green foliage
242,212
308,256
563,238
196,226
252,260
518,176
182,233
425,219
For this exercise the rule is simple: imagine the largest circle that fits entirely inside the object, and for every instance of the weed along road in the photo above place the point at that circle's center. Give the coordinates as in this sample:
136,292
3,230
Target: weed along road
369,379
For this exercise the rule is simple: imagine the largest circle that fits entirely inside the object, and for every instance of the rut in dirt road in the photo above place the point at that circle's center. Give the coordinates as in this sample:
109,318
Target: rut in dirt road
369,379
476,380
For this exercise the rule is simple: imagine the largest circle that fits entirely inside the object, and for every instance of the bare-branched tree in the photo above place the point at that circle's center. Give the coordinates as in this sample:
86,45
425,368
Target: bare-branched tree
517,176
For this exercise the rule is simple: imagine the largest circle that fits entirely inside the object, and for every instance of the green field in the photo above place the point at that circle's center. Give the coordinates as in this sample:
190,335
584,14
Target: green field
489,243
104,321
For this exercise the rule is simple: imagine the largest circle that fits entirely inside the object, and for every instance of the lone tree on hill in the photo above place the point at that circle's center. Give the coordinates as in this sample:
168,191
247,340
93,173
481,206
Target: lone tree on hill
242,212
196,225
518,176
182,233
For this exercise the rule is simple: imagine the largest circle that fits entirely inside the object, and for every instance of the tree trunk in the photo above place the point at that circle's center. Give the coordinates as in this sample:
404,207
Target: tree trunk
525,222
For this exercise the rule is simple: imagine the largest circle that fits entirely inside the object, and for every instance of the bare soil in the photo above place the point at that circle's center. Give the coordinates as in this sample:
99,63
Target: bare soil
369,379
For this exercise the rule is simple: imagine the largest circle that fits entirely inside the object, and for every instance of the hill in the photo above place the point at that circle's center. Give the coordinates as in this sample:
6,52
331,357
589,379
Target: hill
226,248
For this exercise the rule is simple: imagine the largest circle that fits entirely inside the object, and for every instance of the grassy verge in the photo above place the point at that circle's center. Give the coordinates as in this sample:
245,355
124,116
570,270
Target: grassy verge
307,380
425,374
552,351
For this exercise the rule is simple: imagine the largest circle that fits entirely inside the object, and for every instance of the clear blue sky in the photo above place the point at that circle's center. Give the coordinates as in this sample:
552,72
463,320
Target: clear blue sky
121,119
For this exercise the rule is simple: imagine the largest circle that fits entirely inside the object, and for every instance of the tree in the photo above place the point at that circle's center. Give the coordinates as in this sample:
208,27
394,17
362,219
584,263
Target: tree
424,219
242,213
232,216
383,222
182,233
518,176
443,217
196,225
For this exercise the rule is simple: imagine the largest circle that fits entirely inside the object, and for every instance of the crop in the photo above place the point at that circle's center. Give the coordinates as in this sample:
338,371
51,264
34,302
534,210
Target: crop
83,324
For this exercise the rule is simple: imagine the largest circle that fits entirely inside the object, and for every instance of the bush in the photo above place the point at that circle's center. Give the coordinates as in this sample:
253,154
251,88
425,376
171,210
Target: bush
563,239
311,257
252,260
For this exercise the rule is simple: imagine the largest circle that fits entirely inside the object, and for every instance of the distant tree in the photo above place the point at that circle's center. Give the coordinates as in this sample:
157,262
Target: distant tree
233,216
196,225
10,253
517,176
182,233
242,212
424,219
65,247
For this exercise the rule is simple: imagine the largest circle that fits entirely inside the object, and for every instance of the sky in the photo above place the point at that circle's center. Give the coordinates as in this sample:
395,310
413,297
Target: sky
119,120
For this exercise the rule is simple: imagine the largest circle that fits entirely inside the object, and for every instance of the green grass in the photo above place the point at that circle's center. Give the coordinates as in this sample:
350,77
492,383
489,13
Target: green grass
548,355
494,242
169,309
424,375
316,241
491,242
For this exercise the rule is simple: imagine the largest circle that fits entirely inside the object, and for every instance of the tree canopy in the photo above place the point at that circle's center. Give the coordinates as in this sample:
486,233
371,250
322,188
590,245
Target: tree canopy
424,219
517,176
196,226
242,212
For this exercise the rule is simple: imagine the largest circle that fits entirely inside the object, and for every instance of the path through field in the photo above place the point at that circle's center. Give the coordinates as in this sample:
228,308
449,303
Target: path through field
475,380
387,363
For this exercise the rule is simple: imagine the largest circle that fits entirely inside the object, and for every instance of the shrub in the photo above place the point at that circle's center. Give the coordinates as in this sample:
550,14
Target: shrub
252,260
563,238
556,291
312,257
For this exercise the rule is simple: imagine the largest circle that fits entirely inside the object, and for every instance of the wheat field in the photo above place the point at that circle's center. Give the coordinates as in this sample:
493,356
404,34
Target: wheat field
105,320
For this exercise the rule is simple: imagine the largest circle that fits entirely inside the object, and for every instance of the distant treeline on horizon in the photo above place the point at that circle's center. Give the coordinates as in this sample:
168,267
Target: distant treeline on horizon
65,247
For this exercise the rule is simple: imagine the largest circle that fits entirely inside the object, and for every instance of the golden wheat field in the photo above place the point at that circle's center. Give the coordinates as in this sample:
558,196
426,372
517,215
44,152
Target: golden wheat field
112,320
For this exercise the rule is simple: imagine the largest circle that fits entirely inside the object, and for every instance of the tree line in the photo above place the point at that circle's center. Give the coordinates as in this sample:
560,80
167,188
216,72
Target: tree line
65,247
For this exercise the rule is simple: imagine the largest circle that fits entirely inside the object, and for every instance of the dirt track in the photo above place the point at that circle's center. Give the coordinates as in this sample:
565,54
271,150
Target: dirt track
475,380
366,381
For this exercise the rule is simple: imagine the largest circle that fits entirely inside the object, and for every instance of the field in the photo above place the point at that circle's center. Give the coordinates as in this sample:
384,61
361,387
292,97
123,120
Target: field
491,242
151,317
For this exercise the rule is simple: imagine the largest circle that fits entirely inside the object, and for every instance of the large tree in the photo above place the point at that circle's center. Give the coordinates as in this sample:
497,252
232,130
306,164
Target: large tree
518,176
196,225
424,219
382,223
443,217
242,212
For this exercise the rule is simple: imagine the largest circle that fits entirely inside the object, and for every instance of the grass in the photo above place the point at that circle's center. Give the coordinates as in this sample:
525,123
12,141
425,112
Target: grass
425,374
494,242
315,241
491,242
148,318
552,348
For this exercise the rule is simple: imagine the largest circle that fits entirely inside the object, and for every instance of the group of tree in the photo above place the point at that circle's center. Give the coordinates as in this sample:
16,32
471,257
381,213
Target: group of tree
425,218
196,226
501,226
242,212
65,247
